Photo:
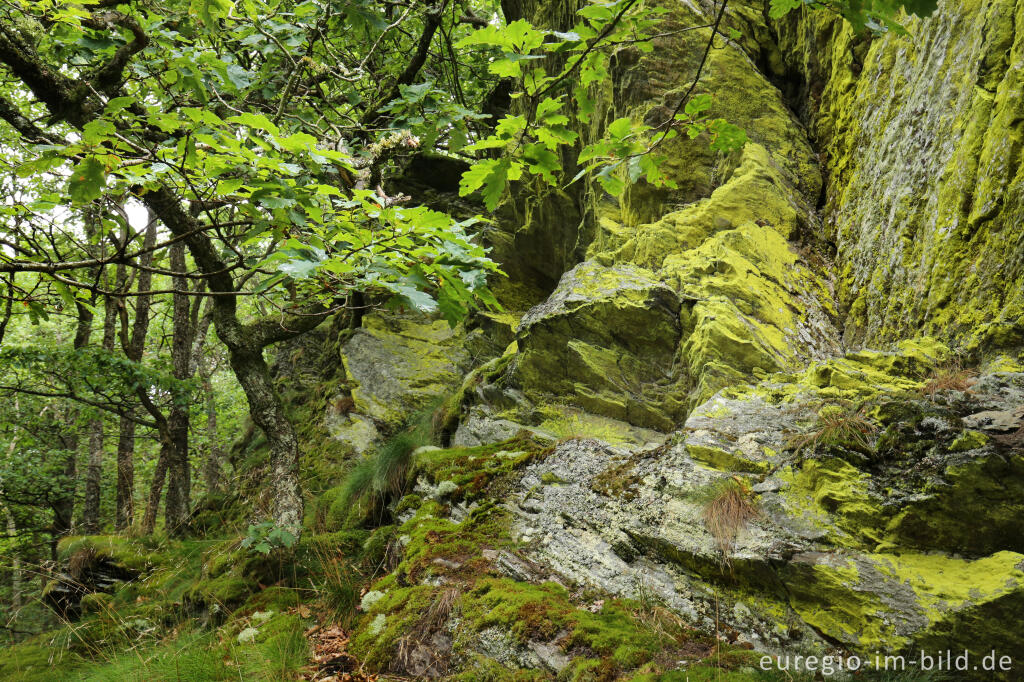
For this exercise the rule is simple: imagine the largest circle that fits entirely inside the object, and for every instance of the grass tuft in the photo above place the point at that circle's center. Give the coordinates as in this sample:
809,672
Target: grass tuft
383,477
730,505
841,427
950,377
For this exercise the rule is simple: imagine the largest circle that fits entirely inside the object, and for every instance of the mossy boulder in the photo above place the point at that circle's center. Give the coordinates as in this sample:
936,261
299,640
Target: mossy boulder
606,340
871,545
92,564
396,365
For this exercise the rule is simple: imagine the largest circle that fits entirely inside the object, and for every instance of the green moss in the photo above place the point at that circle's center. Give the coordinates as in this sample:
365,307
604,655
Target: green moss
224,591
43,658
722,460
968,440
274,599
831,491
121,551
474,469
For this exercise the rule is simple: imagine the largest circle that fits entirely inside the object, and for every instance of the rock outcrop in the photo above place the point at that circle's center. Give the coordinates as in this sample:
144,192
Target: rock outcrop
790,327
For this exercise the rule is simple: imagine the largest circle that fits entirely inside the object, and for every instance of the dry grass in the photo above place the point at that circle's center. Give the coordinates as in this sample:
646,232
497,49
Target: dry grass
653,614
838,426
81,562
728,510
950,377
414,651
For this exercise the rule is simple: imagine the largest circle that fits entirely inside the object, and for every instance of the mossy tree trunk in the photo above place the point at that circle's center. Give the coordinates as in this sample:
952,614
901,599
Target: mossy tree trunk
212,463
133,347
94,469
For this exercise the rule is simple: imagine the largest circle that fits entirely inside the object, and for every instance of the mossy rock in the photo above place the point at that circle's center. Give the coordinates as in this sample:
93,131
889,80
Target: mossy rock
396,365
606,340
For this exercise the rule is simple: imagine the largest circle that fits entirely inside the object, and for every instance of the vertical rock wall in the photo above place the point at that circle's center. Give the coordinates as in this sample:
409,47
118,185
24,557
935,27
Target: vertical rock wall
921,142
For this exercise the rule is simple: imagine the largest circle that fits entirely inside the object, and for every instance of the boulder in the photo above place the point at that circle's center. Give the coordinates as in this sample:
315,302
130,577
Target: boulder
606,341
396,365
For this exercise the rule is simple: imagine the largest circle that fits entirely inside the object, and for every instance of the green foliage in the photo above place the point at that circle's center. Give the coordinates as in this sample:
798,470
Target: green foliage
534,141
280,168
265,537
876,15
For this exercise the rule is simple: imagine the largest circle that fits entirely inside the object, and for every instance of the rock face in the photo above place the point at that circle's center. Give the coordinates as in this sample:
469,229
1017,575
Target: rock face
395,365
847,550
606,339
922,142
785,332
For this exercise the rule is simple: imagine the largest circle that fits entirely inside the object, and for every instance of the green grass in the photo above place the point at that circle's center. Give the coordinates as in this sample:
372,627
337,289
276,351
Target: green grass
380,478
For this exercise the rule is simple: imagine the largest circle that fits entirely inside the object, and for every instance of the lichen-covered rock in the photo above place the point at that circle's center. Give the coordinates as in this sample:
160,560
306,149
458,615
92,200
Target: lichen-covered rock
922,145
396,365
912,542
606,341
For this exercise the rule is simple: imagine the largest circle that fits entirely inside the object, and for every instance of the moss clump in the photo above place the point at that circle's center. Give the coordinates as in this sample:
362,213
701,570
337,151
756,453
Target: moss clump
968,440
224,591
118,550
474,469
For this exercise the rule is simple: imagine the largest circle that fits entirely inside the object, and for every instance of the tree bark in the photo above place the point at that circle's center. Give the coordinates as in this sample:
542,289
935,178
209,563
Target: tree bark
134,348
268,414
63,502
213,462
155,488
179,485
94,470
16,578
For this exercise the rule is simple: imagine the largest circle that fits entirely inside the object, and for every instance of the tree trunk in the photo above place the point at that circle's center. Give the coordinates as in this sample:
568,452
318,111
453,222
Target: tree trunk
156,487
15,563
125,512
93,474
63,503
212,464
94,471
268,414
179,480
12,534
133,350
245,344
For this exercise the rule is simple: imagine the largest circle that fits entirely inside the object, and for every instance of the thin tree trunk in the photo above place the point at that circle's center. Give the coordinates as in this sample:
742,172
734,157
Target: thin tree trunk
8,307
90,524
12,529
94,470
133,350
213,463
179,480
12,533
124,515
155,489
63,503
